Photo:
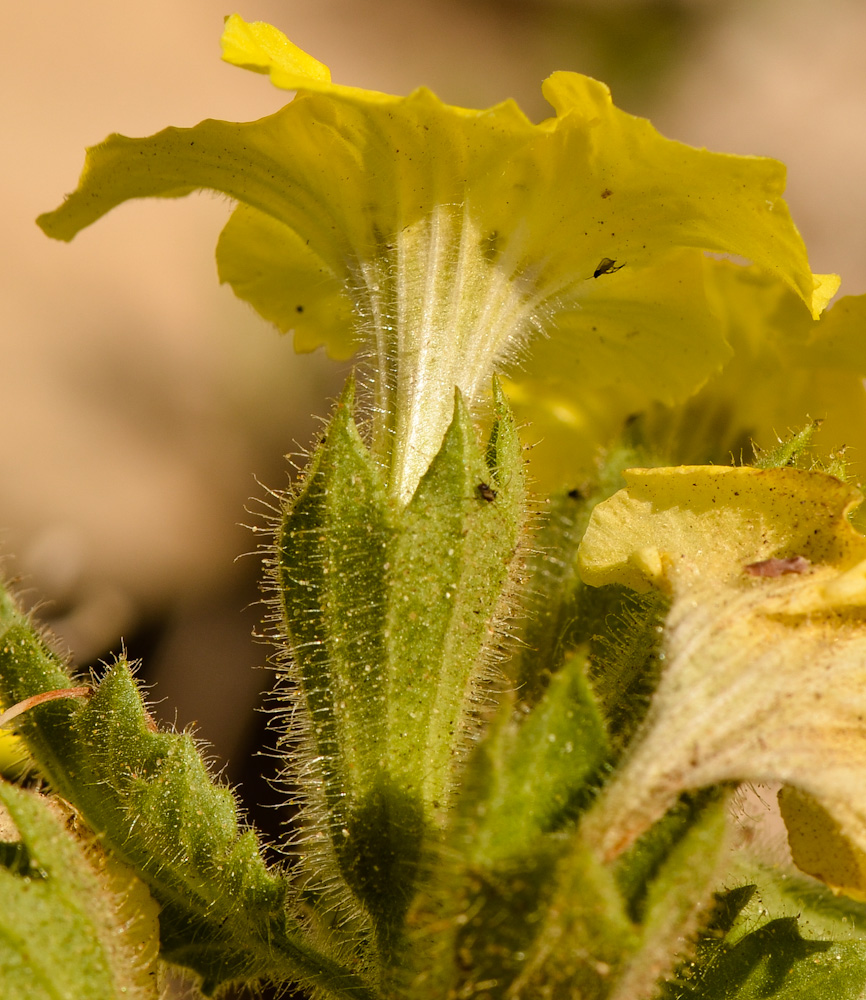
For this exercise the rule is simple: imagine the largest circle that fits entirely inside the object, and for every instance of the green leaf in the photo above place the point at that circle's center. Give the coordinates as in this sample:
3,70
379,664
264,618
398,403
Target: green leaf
548,923
563,615
780,935
553,591
476,925
532,773
557,921
668,879
511,873
150,799
624,656
583,938
65,932
619,631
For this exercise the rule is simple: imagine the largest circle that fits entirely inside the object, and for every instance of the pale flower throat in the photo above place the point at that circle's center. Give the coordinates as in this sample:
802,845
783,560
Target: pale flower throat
443,304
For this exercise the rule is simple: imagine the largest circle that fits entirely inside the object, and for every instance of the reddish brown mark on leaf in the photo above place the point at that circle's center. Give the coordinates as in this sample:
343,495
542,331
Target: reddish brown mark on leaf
777,567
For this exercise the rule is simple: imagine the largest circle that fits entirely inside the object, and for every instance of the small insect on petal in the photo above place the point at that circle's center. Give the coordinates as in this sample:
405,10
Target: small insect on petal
778,567
607,265
486,492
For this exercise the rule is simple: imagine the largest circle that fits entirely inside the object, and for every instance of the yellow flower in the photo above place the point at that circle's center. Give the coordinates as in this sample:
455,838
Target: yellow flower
440,239
12,753
764,656
784,371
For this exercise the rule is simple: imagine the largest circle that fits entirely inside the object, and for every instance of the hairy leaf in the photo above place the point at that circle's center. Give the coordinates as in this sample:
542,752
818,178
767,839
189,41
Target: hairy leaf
149,797
66,932
782,938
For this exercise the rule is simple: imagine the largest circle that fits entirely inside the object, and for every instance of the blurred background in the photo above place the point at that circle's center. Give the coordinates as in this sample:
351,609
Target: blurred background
140,400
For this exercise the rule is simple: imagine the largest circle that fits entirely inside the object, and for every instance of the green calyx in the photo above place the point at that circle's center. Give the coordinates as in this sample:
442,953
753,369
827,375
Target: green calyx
387,611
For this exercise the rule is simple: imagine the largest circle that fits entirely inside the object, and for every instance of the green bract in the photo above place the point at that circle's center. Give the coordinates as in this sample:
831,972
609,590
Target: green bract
439,239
